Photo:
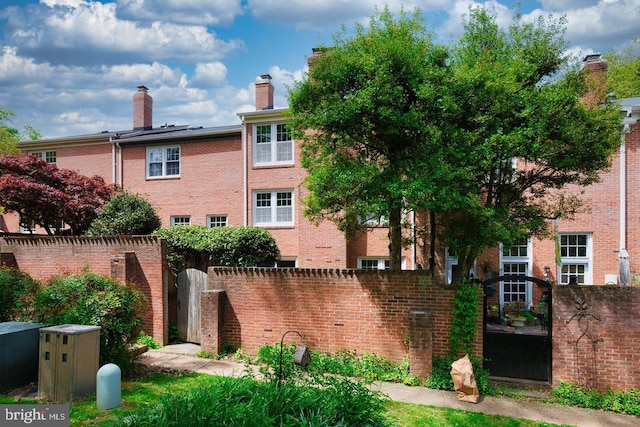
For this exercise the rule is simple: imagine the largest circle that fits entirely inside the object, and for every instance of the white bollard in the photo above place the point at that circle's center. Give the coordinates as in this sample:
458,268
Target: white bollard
108,386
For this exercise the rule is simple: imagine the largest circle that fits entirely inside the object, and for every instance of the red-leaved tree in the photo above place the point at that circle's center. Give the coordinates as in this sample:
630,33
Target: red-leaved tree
45,195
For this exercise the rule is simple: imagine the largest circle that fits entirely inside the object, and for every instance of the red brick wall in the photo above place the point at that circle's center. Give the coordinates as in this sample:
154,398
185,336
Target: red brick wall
597,353
365,311
43,257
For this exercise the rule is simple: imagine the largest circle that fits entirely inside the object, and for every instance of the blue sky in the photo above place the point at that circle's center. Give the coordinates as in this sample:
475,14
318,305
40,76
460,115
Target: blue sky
71,67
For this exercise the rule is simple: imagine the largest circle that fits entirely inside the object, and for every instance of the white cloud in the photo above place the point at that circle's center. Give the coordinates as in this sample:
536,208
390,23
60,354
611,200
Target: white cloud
325,14
90,32
192,12
211,74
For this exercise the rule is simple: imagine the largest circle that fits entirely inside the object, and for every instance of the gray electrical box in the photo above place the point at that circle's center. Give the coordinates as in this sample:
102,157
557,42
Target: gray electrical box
69,359
18,354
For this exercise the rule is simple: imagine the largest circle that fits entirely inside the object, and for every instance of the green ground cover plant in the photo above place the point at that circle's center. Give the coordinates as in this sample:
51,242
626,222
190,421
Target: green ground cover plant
616,401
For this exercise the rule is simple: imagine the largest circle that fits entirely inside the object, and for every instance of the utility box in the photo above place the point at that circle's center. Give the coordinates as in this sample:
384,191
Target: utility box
69,360
18,354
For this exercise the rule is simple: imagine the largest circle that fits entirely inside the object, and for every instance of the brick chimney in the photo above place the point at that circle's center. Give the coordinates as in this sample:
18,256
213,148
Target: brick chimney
264,93
142,109
595,74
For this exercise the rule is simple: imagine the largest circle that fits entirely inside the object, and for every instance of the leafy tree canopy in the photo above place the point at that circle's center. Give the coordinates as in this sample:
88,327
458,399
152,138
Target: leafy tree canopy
45,195
10,136
485,133
623,77
126,214
373,102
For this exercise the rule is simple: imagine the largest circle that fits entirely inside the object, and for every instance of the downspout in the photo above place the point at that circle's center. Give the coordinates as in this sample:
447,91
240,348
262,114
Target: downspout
119,165
113,159
623,186
245,184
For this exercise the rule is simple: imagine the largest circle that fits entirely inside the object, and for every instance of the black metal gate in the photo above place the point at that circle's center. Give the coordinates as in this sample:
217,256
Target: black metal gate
522,355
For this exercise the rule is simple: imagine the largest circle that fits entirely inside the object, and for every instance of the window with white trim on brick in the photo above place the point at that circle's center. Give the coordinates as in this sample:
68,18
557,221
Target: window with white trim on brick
163,162
575,253
214,221
272,144
273,208
180,220
47,156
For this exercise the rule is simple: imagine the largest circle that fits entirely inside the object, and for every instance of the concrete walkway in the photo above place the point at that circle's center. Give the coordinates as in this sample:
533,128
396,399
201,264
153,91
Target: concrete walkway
183,357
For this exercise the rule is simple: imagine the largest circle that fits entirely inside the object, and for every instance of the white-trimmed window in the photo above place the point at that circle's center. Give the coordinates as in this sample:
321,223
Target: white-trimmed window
163,162
373,263
287,263
272,144
515,260
575,252
28,227
214,221
180,220
47,156
273,208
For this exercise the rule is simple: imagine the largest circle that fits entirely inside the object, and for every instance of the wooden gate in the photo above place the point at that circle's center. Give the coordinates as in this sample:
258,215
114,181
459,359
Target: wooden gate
190,282
525,355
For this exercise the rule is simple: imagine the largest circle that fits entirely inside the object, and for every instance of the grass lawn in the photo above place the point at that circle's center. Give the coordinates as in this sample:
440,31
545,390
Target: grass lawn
147,388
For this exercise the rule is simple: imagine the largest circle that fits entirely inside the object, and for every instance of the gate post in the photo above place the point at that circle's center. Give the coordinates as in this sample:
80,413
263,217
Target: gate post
211,320
420,343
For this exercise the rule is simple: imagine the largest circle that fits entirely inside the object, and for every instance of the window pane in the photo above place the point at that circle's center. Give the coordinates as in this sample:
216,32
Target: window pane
284,151
155,155
263,199
155,169
263,153
173,154
173,168
263,134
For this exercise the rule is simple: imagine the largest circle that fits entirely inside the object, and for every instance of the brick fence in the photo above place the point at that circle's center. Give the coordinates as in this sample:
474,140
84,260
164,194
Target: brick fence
391,314
139,259
596,329
596,336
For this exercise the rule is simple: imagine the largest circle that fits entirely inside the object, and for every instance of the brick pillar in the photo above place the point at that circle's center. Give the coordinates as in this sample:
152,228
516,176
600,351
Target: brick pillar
211,320
420,343
123,266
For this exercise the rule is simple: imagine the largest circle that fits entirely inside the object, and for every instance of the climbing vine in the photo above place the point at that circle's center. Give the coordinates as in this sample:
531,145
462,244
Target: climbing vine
465,318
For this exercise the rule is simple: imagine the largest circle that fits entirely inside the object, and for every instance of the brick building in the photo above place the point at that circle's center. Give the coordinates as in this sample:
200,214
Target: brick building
250,174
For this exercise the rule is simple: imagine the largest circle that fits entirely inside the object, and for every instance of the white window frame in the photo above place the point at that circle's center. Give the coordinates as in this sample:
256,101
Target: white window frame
574,259
27,228
266,153
519,256
214,221
274,210
49,156
378,263
286,260
167,159
180,220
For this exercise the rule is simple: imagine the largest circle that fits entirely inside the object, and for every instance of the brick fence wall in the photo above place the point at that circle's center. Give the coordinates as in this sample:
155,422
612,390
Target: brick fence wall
139,259
356,310
598,347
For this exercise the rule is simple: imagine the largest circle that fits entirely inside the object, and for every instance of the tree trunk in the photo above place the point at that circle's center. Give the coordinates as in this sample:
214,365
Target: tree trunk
395,239
466,259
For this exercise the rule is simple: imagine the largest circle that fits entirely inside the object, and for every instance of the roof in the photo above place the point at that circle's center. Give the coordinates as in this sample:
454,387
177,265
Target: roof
159,134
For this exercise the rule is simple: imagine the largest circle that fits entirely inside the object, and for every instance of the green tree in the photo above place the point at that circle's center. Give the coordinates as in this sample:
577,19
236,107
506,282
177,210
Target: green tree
485,135
623,77
372,102
126,214
523,134
10,136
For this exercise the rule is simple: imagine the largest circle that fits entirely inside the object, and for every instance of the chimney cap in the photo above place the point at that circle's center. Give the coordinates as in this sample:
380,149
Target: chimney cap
593,57
265,78
142,89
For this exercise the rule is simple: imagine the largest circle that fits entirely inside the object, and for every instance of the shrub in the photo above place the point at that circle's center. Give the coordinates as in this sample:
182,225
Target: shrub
17,290
125,214
91,299
226,246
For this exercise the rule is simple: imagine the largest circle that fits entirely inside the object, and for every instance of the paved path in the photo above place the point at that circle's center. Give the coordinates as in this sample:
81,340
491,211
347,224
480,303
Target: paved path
182,357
